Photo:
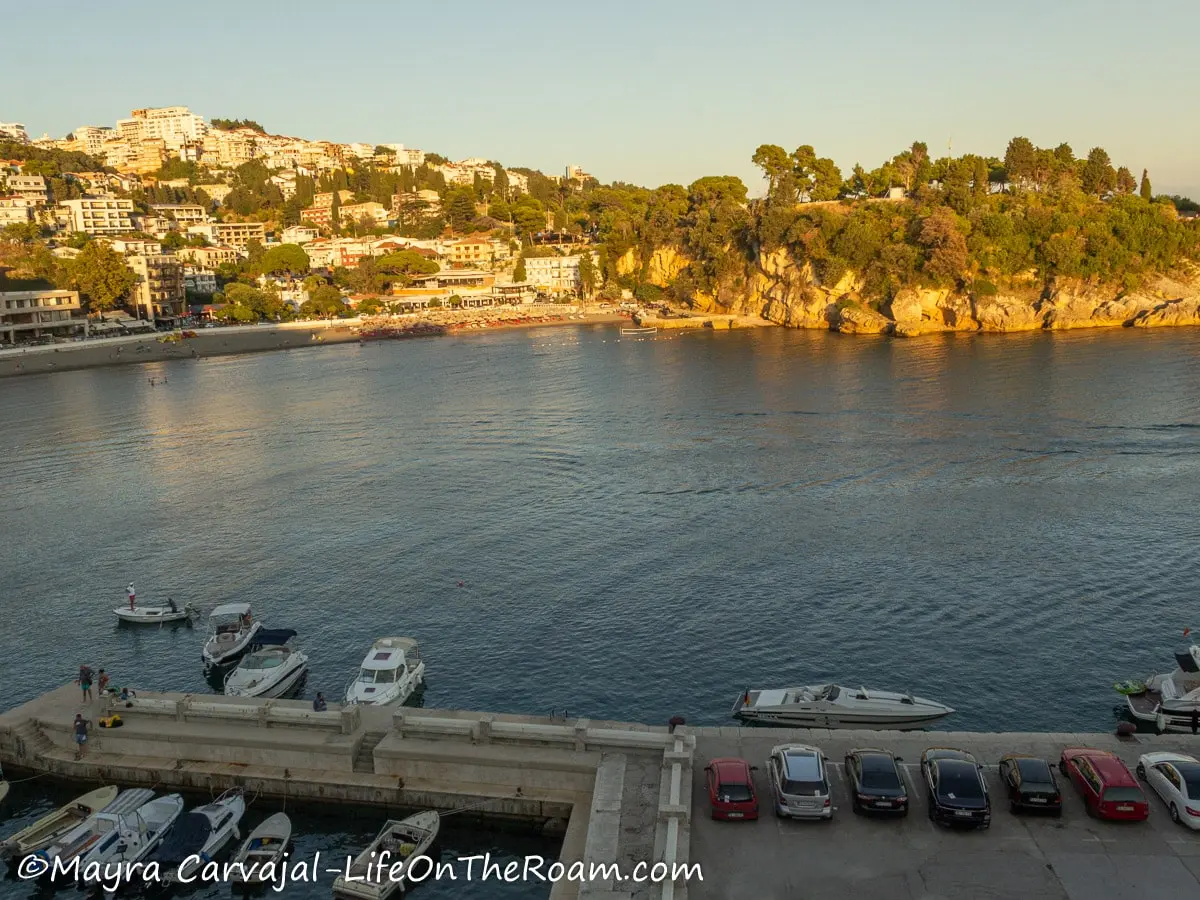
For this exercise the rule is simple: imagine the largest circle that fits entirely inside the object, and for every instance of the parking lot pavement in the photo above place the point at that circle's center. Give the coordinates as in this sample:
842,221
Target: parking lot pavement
1026,857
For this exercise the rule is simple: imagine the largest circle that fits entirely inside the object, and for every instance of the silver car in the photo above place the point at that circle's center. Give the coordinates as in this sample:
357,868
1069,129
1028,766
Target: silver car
799,782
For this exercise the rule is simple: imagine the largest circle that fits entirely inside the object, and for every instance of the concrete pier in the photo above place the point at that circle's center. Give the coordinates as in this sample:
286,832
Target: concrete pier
626,793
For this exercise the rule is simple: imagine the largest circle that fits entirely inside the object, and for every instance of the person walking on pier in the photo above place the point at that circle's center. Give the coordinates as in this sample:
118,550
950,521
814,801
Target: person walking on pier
81,730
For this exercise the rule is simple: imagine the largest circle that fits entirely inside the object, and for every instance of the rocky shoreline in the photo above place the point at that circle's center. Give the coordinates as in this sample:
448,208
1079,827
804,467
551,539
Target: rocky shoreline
783,292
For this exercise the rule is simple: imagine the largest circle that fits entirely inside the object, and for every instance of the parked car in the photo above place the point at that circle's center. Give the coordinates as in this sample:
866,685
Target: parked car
799,782
875,782
1030,784
731,789
1175,777
1106,784
958,795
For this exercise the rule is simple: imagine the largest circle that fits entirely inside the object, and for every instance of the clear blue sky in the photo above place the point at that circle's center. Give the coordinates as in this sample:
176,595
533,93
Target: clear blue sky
650,92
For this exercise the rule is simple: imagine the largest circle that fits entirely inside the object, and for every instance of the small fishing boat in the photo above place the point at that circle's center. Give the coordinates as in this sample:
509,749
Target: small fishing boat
155,615
49,828
402,842
98,835
389,674
259,856
198,836
835,706
639,332
271,670
232,629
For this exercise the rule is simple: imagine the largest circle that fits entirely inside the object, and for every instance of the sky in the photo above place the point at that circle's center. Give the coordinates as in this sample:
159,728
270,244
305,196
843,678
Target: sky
648,92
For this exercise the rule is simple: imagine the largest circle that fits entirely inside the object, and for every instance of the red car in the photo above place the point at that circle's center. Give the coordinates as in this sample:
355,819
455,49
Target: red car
731,789
1108,787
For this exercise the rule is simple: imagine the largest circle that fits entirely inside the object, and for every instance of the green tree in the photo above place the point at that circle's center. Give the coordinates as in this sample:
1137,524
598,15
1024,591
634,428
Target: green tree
519,273
325,301
1019,160
587,273
460,211
1098,175
100,275
335,212
1146,192
945,246
284,259
1126,183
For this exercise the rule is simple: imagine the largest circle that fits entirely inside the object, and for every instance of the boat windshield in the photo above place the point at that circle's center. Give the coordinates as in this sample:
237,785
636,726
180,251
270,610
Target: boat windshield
262,661
830,692
378,676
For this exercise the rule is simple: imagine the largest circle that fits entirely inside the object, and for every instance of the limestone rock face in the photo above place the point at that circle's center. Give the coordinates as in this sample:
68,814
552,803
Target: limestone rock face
1004,313
1185,311
857,320
662,268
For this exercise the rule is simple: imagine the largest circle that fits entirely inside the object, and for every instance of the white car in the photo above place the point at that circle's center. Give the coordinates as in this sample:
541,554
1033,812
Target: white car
1175,777
799,782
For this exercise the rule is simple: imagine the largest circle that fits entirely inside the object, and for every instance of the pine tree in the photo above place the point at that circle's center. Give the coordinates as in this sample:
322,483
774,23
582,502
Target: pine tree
1146,193
335,212
519,272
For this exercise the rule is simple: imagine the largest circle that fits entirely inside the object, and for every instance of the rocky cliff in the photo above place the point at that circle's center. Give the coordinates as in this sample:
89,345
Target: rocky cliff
785,292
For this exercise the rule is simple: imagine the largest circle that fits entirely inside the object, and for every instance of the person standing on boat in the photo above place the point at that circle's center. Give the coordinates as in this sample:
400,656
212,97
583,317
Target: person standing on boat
131,595
171,603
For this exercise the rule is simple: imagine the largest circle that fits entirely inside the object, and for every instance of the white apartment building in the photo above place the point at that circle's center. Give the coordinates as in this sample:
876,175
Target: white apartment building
209,257
555,274
405,158
174,125
99,215
234,234
199,280
32,314
183,213
28,187
134,246
230,148
13,131
159,292
517,181
16,211
298,234
92,138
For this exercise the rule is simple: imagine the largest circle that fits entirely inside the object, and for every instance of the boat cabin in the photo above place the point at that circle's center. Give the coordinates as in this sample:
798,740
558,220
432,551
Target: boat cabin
388,661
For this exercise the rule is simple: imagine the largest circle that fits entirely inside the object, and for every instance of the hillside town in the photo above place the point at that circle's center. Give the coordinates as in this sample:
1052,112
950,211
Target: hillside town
166,220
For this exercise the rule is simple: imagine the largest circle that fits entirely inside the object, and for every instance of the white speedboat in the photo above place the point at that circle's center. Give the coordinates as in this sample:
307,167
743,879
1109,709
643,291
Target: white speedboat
391,671
835,706
232,629
271,670
199,835
52,826
155,615
123,838
259,857
402,842
99,829
1170,702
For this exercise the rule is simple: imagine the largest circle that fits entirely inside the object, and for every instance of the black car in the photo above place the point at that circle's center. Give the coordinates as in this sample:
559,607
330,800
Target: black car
875,782
1030,784
958,794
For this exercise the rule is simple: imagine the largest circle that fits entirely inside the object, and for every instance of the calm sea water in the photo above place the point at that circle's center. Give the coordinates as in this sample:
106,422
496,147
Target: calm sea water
622,528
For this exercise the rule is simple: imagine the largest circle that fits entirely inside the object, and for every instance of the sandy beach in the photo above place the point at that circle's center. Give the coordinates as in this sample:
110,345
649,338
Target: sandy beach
225,340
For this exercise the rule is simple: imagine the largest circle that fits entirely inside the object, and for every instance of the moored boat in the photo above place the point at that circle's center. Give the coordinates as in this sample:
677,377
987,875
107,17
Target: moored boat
390,673
835,706
381,868
639,332
271,669
232,629
98,836
57,824
257,859
199,835
1169,702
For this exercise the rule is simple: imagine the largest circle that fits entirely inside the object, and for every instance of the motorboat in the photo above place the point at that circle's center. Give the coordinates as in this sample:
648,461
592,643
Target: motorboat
232,629
155,615
372,876
52,826
111,837
639,332
100,827
271,670
259,857
391,671
835,706
1169,702
198,836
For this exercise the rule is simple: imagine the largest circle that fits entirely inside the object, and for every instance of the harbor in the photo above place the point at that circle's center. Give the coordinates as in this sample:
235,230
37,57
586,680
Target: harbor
622,793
